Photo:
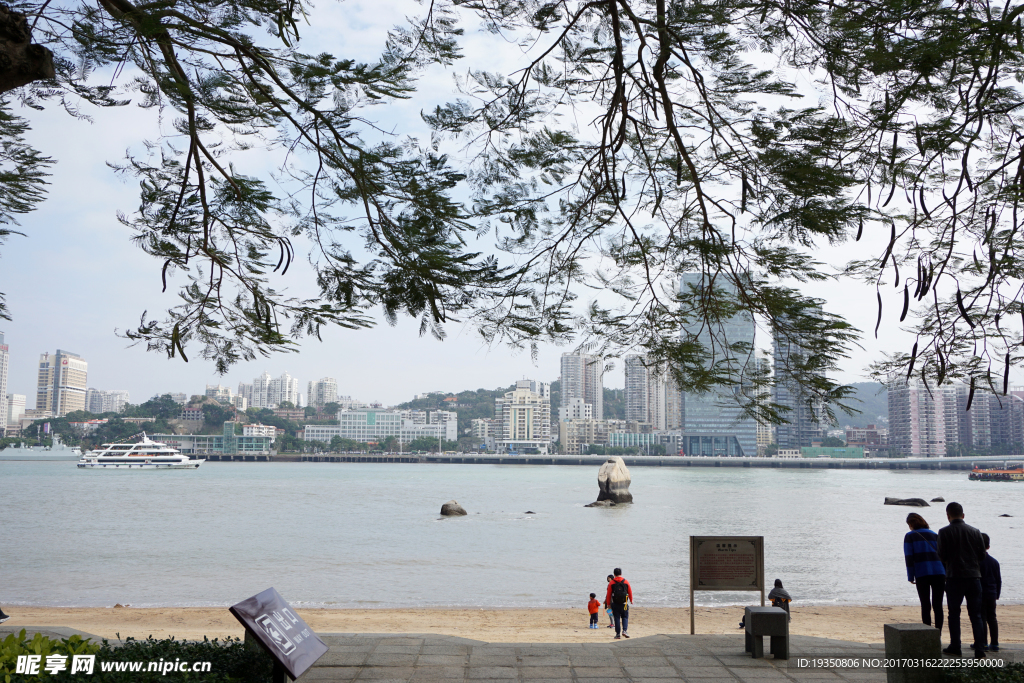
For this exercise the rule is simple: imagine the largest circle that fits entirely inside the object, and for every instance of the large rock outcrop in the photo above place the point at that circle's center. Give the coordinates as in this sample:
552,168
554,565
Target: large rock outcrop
613,480
452,509
912,502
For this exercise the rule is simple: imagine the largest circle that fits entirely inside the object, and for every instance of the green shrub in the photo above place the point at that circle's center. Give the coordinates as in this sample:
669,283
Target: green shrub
12,646
1011,673
231,661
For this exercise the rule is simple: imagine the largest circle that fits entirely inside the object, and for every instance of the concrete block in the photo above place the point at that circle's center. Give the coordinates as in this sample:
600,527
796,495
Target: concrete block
766,621
913,641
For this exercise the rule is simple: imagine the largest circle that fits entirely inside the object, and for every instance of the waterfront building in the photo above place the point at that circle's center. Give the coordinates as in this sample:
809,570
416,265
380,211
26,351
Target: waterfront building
482,427
636,387
805,415
872,439
1006,415
715,422
651,394
15,408
524,418
259,430
583,377
226,443
4,363
832,452
576,409
373,426
922,420
575,435
322,392
61,383
98,402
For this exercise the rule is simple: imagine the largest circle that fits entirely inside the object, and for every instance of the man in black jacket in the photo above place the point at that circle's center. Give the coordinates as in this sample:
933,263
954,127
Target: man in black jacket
962,551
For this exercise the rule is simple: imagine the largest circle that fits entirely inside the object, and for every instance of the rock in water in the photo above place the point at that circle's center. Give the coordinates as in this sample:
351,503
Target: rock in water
453,509
940,499
912,502
613,480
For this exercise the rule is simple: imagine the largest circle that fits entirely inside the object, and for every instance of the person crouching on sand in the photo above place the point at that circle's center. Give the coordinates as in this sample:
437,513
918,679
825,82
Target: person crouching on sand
780,597
593,607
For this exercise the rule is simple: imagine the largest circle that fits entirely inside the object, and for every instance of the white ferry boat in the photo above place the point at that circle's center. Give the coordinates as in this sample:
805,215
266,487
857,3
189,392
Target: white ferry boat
145,455
58,451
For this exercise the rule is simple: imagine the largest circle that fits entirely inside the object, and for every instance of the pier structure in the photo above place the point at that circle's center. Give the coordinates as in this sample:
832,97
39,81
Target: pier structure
661,461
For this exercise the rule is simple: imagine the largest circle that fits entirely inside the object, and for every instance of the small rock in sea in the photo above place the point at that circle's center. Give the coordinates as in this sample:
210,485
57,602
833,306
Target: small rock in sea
600,504
452,509
118,605
912,502
529,512
940,499
1005,515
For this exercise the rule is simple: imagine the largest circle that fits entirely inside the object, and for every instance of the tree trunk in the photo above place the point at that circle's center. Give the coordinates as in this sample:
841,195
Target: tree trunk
21,62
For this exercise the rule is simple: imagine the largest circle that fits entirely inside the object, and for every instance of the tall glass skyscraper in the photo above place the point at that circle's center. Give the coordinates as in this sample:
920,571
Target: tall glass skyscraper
714,423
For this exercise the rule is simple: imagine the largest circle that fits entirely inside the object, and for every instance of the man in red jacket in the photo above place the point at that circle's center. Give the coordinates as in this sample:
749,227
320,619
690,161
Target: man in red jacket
618,597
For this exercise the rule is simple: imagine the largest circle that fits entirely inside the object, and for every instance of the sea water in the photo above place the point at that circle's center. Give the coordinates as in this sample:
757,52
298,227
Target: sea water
370,535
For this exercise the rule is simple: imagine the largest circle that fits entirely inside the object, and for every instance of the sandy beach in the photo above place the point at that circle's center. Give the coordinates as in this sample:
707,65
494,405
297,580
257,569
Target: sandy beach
853,623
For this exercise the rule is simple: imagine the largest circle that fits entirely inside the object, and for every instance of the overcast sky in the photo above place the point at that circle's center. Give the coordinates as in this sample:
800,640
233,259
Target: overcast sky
76,279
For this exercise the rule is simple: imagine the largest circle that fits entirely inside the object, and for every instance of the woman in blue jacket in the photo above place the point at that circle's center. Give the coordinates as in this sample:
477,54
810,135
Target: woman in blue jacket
921,551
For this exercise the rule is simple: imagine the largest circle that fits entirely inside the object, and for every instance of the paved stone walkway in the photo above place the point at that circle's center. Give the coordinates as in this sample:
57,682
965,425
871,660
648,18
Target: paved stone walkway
652,659
384,658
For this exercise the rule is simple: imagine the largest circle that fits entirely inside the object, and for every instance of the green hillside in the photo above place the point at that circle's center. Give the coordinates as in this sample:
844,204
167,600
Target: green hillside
872,400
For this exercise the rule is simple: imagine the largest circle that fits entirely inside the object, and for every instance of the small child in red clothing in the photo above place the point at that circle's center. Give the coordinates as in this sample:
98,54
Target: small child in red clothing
594,606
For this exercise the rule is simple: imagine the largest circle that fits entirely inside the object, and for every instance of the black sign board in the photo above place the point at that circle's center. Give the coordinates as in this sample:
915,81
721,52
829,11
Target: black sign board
283,633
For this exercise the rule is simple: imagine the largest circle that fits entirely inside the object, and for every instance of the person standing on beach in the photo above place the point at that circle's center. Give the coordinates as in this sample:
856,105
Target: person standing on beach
991,587
619,595
962,551
593,607
608,608
924,569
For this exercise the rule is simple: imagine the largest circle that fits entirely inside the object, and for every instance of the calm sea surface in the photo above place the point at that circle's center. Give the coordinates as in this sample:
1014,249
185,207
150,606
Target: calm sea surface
369,535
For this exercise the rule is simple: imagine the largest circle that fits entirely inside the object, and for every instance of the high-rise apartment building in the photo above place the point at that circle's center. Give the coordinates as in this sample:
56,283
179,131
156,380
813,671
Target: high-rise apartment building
61,383
15,408
715,422
805,415
524,418
921,419
219,393
98,402
636,388
322,392
583,377
651,394
269,392
4,363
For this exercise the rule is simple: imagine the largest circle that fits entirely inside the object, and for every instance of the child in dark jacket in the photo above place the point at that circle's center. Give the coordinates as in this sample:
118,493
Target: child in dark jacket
991,587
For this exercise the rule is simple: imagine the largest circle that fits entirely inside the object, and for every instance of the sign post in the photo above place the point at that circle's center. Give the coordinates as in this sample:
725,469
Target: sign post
726,563
281,632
